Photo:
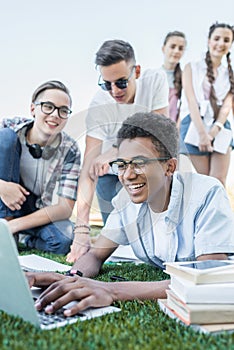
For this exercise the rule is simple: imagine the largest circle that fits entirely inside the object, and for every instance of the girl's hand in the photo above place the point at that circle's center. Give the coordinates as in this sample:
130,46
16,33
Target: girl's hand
205,142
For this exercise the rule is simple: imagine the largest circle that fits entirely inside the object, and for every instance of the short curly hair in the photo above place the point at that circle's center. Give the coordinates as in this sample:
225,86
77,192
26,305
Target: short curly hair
161,130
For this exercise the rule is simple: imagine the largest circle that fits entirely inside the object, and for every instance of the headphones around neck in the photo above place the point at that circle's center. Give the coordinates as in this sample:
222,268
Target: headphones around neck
37,151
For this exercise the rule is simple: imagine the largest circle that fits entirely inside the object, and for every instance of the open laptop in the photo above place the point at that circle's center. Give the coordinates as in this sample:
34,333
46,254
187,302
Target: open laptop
16,297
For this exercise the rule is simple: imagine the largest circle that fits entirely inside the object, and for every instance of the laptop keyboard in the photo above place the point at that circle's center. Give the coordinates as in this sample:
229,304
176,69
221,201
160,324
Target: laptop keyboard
57,317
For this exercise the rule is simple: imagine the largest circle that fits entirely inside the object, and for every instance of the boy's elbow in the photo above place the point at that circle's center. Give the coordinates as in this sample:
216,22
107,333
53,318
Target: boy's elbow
66,208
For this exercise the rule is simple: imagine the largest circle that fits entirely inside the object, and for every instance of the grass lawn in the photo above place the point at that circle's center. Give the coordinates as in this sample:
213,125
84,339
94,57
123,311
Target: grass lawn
140,325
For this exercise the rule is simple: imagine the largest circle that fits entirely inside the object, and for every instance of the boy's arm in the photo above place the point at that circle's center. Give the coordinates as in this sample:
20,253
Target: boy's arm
93,293
90,263
60,211
86,189
87,184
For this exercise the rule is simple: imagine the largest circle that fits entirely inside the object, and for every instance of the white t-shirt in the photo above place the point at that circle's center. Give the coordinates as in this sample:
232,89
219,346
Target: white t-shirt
32,171
221,87
170,77
161,234
105,115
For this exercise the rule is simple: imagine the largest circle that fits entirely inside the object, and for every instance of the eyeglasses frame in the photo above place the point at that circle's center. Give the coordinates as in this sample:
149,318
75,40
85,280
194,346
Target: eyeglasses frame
39,103
130,162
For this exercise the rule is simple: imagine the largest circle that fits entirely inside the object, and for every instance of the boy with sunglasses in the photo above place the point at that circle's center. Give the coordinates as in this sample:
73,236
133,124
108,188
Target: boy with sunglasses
36,155
123,92
164,215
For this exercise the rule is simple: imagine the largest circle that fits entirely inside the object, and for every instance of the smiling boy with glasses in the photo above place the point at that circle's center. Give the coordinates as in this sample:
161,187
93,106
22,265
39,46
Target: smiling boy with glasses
124,91
163,214
35,156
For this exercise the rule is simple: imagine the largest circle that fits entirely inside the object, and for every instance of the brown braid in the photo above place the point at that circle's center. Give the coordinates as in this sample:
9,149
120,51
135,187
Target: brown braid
177,71
211,79
178,80
178,86
231,78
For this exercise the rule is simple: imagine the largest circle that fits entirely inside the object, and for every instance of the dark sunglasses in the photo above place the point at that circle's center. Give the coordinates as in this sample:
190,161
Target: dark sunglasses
120,83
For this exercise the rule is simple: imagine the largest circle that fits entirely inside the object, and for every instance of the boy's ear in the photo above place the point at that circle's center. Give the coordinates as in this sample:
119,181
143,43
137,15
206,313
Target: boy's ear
137,71
32,109
171,166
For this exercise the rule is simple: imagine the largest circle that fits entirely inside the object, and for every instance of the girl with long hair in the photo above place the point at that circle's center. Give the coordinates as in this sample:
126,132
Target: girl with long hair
207,101
173,49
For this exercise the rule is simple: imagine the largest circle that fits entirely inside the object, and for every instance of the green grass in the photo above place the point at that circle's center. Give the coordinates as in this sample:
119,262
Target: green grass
139,325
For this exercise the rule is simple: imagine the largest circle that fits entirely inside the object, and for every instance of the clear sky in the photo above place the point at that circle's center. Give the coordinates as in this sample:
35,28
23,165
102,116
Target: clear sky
57,39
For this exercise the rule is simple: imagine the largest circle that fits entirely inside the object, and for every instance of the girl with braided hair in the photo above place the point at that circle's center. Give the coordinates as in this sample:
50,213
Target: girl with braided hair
173,49
207,101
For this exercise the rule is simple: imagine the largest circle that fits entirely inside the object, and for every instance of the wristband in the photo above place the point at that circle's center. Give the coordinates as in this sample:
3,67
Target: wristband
82,225
74,272
114,145
81,232
219,125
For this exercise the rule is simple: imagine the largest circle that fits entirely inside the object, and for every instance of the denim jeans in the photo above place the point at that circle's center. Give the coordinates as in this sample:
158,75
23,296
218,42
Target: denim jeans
107,188
54,237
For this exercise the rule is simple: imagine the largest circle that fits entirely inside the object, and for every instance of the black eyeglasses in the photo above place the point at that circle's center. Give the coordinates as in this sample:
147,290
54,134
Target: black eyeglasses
120,83
119,166
48,108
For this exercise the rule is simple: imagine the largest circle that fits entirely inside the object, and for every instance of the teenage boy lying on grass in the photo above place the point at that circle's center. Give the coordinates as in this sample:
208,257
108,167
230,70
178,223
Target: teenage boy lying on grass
164,215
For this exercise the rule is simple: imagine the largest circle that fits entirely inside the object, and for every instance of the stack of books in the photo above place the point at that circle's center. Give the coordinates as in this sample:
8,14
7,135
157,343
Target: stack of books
201,294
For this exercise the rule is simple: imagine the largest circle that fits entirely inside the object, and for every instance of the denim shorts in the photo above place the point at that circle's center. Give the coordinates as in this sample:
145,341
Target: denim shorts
186,148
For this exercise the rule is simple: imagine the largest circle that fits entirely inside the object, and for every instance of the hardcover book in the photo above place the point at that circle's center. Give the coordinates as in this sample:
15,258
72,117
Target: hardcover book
212,293
200,313
207,271
214,329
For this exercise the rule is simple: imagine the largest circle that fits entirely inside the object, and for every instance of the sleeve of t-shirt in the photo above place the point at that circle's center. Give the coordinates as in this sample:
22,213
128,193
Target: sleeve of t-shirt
158,85
98,116
114,228
214,224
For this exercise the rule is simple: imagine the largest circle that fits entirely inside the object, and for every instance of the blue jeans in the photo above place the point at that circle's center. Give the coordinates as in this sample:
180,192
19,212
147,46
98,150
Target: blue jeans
54,237
107,188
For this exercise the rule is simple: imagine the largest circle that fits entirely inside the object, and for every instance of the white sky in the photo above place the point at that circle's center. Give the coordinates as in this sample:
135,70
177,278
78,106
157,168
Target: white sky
57,39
